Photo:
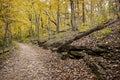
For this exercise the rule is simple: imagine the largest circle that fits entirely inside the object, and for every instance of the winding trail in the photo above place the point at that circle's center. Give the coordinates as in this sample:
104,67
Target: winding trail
30,62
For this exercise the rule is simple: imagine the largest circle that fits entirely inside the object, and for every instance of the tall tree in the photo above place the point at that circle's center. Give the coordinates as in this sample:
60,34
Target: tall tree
58,17
78,13
73,20
91,17
118,8
83,11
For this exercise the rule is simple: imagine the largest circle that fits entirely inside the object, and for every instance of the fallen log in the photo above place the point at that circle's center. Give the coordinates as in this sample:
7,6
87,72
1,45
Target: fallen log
98,69
90,51
76,54
68,48
97,28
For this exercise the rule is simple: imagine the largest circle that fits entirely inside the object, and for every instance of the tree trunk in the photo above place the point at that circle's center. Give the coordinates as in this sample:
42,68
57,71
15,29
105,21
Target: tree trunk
58,18
83,11
73,20
118,9
6,39
30,31
119,5
91,16
36,25
49,24
78,15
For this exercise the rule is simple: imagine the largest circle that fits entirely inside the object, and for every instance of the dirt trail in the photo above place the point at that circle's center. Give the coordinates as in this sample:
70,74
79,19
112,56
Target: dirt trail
30,62
25,65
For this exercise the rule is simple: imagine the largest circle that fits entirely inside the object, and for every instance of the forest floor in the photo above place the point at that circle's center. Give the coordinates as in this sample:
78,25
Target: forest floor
30,62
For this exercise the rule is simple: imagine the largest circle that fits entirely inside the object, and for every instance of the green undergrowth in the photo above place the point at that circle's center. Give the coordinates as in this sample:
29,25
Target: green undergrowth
101,34
5,55
84,28
62,37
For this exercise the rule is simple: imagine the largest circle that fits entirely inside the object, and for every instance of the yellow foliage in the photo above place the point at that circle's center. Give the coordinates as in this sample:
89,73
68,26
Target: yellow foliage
25,16
84,28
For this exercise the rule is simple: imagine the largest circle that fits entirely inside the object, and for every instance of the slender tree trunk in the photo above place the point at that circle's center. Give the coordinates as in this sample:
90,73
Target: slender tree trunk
30,31
58,18
73,20
83,11
65,16
36,24
109,7
91,16
48,26
119,5
10,36
6,41
20,33
78,9
118,8
38,27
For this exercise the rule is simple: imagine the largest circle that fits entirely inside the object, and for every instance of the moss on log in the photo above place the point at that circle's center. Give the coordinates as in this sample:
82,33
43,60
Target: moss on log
68,48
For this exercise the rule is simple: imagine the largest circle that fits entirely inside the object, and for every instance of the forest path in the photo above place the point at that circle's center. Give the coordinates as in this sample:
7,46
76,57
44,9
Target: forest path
25,64
31,62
